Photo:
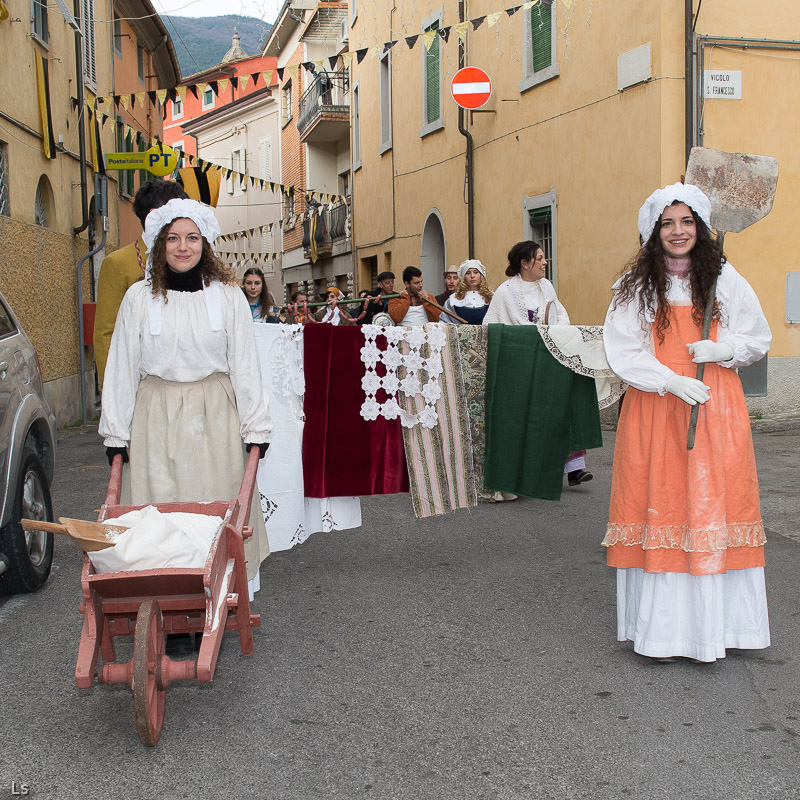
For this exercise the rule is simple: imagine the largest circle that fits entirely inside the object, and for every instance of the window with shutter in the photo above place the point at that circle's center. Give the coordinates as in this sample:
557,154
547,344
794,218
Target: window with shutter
432,118
89,59
386,100
539,35
265,157
39,26
356,127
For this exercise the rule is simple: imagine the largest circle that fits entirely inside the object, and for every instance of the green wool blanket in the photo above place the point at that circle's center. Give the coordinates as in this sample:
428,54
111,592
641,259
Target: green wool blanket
537,412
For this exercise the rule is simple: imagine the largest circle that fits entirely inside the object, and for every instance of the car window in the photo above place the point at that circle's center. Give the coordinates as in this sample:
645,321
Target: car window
6,325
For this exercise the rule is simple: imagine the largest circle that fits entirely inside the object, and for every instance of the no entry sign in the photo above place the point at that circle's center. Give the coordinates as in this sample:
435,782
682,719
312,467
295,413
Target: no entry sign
471,88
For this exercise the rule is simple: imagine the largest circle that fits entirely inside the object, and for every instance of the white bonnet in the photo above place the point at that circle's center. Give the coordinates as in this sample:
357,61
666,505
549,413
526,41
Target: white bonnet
661,198
178,208
470,263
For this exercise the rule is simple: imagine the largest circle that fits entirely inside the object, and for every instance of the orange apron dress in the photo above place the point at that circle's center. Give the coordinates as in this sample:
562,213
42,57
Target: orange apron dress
677,510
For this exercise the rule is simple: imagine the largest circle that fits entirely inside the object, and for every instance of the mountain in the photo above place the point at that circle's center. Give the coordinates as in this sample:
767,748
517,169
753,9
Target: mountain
201,42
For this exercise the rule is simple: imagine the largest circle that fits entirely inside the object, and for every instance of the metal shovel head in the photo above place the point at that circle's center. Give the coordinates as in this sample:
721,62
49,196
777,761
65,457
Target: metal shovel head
741,186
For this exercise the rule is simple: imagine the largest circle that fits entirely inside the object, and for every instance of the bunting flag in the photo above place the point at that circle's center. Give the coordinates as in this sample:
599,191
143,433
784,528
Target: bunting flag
3,11
223,85
95,143
461,31
243,82
43,89
411,41
493,18
201,184
428,38
477,22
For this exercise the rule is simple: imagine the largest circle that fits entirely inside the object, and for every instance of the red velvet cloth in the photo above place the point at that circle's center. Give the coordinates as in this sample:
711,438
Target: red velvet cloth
344,455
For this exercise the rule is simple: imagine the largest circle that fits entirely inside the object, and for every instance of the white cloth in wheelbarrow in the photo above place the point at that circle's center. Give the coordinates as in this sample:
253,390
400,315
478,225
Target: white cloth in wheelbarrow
158,541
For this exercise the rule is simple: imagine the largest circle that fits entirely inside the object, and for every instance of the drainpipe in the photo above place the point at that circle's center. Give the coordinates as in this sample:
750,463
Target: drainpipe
101,208
81,125
470,169
688,88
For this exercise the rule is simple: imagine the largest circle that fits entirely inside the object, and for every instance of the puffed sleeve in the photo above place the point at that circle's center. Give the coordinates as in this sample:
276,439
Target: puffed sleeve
245,372
627,342
744,326
122,375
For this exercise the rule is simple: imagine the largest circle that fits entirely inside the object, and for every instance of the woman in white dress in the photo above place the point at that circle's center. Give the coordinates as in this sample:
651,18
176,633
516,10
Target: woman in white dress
528,298
472,295
685,532
182,388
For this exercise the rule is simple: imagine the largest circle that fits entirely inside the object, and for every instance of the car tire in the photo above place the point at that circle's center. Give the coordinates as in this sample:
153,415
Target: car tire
30,553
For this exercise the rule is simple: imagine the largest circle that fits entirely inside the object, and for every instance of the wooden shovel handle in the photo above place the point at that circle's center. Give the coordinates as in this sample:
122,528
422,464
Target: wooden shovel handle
41,525
708,312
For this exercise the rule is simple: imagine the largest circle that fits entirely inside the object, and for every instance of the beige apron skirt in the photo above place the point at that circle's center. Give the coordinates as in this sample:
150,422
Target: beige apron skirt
186,446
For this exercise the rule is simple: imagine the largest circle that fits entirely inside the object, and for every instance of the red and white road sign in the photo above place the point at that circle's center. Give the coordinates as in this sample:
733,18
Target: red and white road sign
471,88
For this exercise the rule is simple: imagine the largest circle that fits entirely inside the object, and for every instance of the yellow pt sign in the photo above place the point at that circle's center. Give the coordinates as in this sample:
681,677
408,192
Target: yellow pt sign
159,161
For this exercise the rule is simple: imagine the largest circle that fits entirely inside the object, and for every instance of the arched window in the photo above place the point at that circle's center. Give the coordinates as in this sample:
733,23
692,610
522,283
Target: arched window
44,213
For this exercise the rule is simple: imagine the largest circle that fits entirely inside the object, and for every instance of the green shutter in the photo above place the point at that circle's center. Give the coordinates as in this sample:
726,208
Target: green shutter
432,82
541,36
541,216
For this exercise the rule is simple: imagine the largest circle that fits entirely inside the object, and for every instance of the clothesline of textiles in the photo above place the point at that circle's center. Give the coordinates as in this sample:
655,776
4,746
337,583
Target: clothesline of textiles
447,413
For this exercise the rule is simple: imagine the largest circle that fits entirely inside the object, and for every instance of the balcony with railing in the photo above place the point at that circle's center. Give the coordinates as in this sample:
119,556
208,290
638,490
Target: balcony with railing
330,229
325,108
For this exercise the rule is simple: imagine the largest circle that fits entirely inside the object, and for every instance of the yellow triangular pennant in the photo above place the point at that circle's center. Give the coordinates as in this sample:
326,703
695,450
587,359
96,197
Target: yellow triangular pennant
126,102
461,30
181,90
493,18
347,58
243,81
140,98
161,94
292,70
223,84
429,36
373,51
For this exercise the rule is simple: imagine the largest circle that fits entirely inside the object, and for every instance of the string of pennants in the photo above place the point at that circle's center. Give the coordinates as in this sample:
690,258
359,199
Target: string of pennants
137,138
129,101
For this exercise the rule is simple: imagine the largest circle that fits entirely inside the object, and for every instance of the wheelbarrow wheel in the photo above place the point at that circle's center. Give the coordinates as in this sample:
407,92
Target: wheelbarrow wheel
148,689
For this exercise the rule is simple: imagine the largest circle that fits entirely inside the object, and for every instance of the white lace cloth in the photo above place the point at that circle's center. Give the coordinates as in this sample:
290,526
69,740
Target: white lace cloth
290,516
580,348
413,362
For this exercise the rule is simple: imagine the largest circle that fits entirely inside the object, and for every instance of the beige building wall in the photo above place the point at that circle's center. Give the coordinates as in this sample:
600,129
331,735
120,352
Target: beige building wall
596,150
39,272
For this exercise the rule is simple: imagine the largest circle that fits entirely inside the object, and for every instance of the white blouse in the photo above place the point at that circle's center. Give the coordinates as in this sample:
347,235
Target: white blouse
514,297
628,338
186,350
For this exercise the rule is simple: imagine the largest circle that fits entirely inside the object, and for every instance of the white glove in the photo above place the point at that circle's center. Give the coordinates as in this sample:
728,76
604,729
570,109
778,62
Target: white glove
690,390
705,351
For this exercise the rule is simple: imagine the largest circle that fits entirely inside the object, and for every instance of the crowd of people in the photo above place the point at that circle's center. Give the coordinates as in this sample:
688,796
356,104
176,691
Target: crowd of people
183,399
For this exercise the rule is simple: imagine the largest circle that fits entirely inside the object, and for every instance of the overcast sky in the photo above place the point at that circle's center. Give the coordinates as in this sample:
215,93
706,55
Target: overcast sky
265,10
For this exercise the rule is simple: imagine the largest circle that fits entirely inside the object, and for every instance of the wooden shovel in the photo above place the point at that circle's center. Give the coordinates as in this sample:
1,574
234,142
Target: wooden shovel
741,188
89,536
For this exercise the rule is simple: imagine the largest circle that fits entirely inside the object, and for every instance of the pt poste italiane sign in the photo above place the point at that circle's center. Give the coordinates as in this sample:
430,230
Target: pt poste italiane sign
160,161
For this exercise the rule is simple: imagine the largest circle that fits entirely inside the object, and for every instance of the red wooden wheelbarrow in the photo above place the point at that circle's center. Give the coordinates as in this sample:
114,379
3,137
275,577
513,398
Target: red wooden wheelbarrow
149,603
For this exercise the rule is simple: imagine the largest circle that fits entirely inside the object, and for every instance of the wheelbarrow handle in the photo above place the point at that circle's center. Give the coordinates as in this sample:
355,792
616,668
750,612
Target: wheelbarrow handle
114,482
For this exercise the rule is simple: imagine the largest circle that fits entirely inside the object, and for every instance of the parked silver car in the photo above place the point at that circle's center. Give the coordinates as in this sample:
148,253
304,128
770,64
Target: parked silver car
27,460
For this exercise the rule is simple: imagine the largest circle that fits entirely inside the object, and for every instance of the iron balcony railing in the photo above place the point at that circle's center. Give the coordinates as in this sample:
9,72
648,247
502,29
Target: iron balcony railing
330,225
329,94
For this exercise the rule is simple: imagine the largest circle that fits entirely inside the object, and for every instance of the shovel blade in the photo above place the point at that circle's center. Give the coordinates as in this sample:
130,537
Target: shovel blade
741,186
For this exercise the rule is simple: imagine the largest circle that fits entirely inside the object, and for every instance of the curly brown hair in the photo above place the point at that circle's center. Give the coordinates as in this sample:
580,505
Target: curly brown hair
483,290
210,266
646,277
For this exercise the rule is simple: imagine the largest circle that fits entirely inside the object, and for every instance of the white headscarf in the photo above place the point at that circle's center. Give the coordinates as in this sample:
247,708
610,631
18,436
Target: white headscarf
470,263
661,198
206,221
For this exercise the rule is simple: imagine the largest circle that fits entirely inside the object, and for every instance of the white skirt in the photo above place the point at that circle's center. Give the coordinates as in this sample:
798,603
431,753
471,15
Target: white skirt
695,616
186,446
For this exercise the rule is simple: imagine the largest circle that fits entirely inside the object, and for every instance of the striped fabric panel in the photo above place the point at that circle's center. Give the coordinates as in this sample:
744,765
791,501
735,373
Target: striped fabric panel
440,467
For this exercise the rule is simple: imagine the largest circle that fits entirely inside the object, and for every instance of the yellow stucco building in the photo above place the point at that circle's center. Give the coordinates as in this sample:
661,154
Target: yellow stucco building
47,214
587,117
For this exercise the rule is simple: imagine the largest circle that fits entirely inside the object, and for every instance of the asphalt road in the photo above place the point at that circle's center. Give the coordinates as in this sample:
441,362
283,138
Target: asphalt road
463,657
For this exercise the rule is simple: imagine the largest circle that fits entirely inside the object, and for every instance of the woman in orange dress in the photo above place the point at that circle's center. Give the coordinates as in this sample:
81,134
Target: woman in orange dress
685,530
